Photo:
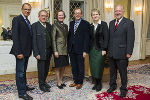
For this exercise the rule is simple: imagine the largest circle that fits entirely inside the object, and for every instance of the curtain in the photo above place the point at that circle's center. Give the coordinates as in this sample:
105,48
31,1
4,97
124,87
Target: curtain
146,16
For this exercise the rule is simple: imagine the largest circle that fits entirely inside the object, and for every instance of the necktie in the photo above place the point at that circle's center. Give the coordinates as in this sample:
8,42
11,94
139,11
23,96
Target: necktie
29,26
75,27
117,24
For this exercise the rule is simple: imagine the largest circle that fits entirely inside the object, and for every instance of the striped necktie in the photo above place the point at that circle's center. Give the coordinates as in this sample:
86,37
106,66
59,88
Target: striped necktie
117,24
29,26
75,27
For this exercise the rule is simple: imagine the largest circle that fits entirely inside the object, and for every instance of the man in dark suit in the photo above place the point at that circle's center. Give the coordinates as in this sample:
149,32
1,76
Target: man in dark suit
78,44
22,49
42,49
120,48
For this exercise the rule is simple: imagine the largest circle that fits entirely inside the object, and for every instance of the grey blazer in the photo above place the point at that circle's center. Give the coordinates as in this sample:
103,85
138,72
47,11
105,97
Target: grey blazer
121,39
59,38
39,40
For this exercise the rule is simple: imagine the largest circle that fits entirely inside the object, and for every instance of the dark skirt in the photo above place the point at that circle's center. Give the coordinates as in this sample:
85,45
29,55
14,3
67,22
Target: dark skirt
61,61
96,63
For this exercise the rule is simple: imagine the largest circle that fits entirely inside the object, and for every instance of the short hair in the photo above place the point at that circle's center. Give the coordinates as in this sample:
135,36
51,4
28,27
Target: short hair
95,10
120,6
26,4
42,11
60,11
77,9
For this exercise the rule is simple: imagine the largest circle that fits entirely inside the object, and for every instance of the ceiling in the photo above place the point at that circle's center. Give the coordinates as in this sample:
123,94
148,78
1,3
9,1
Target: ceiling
11,1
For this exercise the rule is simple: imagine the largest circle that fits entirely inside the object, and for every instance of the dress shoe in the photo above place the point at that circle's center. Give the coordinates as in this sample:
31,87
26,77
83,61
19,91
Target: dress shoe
94,87
47,85
29,88
73,85
44,89
111,89
60,87
99,87
25,97
63,85
79,86
123,94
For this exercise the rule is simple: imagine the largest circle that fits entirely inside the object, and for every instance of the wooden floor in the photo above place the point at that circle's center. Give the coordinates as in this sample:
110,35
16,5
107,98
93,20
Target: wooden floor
68,71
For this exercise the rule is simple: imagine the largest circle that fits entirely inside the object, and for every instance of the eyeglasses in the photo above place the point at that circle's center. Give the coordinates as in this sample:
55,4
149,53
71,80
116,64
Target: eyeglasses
27,10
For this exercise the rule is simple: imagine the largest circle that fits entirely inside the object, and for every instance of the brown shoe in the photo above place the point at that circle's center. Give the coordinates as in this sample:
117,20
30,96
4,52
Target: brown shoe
73,85
79,86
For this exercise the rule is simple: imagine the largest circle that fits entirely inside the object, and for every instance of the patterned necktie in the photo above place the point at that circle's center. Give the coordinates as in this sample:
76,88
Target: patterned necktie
75,27
29,26
117,24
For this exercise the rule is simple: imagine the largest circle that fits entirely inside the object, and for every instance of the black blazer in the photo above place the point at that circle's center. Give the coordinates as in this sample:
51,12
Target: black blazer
39,41
80,40
121,39
21,36
100,38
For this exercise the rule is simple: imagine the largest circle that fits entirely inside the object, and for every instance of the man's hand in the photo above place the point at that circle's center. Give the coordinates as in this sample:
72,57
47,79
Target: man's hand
56,54
103,53
20,56
38,57
84,54
128,56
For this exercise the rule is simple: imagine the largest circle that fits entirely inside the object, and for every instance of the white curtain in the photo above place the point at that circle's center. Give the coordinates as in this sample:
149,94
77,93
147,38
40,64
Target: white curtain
146,16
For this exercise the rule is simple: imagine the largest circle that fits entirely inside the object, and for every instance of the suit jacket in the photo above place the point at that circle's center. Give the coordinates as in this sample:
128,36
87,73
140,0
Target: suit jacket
59,38
100,37
121,39
21,36
39,40
79,42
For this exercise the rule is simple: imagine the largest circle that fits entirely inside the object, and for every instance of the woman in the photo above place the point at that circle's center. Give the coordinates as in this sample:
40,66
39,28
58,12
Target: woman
98,46
59,42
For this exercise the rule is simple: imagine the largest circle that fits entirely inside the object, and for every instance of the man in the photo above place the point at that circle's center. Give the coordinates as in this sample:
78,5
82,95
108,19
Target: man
120,48
4,33
22,49
42,49
78,44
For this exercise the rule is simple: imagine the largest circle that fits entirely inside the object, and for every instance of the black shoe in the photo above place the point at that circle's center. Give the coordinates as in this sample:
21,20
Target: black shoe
99,87
94,87
63,85
60,87
111,89
25,97
47,85
123,93
29,88
44,89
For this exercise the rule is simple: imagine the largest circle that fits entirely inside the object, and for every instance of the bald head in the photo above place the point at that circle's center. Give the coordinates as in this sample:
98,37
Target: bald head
119,11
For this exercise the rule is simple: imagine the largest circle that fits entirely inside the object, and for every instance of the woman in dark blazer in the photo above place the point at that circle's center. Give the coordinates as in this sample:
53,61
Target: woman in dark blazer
98,47
59,43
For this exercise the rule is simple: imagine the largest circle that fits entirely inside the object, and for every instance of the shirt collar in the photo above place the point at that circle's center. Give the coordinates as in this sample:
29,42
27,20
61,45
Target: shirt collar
99,22
42,24
23,16
119,19
77,21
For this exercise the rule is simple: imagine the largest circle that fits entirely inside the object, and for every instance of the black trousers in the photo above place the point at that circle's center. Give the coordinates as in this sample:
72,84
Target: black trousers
43,68
122,65
77,63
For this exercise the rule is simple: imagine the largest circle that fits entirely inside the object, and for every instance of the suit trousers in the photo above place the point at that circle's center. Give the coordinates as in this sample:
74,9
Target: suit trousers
122,65
43,68
21,67
77,63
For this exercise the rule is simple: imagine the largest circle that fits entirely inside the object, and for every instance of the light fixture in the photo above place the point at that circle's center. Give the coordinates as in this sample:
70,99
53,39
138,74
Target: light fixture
138,9
108,5
34,1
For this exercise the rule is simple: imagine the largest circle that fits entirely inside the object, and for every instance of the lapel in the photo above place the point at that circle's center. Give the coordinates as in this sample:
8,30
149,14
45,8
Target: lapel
41,28
80,25
23,20
120,24
113,24
98,27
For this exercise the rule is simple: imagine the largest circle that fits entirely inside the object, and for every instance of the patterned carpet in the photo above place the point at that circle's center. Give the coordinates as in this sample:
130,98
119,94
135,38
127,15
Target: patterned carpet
138,75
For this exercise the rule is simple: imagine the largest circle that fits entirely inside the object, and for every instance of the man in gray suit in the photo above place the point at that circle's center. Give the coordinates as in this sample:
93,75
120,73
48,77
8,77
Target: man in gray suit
120,48
42,49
